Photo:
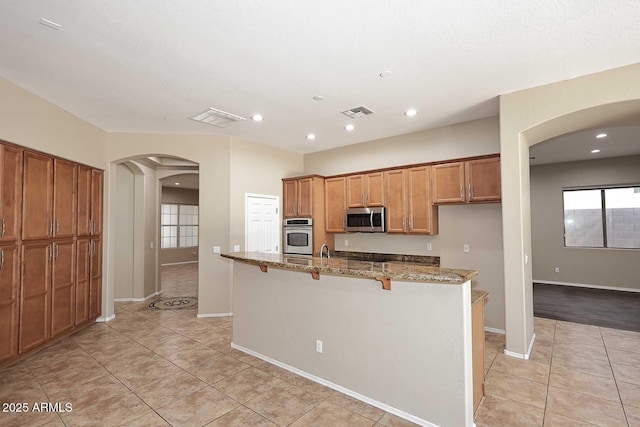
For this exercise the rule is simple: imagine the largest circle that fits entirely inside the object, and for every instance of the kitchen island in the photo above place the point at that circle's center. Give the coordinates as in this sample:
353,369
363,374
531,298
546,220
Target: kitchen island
405,347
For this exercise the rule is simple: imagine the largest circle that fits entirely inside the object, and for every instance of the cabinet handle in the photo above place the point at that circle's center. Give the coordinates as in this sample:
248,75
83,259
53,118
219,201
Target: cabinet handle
50,228
89,226
57,250
50,253
462,192
3,227
410,223
57,226
470,192
404,221
93,228
1,259
89,248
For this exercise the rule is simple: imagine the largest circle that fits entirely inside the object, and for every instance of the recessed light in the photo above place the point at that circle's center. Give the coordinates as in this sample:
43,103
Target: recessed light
410,113
318,98
256,118
311,136
601,135
386,74
595,151
176,183
349,127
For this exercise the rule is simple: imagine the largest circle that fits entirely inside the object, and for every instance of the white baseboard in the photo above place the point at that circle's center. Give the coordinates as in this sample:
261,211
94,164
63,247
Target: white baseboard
103,319
137,299
339,388
582,285
525,356
495,331
179,263
214,315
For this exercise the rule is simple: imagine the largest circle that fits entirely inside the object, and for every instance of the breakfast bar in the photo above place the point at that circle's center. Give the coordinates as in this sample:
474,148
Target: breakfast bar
394,334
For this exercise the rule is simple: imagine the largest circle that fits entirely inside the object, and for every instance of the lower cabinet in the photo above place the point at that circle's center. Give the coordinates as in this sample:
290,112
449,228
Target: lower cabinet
9,301
88,301
95,283
478,344
35,298
63,287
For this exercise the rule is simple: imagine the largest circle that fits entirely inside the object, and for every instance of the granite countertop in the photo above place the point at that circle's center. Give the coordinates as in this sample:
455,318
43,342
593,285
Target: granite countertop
477,296
392,270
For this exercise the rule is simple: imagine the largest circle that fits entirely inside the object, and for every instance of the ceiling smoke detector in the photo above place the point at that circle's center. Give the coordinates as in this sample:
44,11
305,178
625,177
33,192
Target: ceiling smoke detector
357,112
217,118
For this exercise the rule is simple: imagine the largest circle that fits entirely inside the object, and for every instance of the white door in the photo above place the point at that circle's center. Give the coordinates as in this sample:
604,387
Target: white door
262,230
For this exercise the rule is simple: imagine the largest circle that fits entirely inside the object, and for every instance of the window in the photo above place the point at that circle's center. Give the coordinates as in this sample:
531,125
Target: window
587,211
178,226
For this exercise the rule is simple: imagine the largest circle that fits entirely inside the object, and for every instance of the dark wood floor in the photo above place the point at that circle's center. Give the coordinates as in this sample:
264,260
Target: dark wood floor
611,309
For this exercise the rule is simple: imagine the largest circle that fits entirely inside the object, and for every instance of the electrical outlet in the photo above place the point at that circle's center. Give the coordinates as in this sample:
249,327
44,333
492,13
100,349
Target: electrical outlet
216,249
151,245
466,248
429,247
236,248
557,269
346,243
318,346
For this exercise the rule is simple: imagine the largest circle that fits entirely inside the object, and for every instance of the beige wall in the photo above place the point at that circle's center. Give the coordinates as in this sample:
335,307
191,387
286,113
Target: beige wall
600,267
479,226
409,348
124,233
212,153
259,169
186,196
526,118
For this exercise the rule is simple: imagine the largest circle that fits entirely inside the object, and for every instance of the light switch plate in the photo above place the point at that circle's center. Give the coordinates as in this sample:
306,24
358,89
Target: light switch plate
466,248
429,246
236,248
216,249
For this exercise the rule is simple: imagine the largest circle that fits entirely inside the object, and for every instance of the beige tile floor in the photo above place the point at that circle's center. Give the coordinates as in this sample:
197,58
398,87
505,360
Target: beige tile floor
158,368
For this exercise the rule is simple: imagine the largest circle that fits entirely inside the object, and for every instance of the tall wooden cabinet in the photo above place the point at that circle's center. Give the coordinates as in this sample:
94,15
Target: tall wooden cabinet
50,248
303,197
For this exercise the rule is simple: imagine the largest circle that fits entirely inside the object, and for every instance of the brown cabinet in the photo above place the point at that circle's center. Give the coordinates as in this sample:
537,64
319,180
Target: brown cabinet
335,190
89,201
37,196
365,190
64,198
95,278
63,287
473,181
10,192
298,195
409,204
83,278
478,344
9,301
35,295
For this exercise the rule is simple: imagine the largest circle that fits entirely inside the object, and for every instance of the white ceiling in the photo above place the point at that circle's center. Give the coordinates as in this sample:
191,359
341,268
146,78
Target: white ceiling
148,65
186,180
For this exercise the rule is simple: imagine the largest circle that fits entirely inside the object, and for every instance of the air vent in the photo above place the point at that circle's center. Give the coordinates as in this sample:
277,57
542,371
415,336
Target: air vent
217,118
357,112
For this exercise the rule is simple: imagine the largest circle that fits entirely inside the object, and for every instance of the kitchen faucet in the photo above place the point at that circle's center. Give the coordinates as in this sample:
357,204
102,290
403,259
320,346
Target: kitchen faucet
324,245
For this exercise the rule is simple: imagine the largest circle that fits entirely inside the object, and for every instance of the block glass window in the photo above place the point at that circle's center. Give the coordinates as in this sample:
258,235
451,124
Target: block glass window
178,226
586,211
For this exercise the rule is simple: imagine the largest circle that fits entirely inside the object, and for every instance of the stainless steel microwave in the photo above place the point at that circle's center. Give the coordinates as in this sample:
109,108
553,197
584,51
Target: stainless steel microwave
368,220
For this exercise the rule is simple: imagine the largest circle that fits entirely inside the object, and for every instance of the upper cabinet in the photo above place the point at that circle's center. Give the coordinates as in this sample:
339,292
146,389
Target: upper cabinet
89,211
10,192
64,198
298,195
365,190
335,191
409,203
37,196
472,181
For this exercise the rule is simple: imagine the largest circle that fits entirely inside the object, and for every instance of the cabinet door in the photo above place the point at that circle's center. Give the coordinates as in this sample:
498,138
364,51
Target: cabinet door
374,194
82,280
447,183
84,200
37,195
96,201
477,348
62,287
290,198
35,298
8,302
396,201
421,211
335,200
64,198
355,191
10,192
305,197
95,281
483,180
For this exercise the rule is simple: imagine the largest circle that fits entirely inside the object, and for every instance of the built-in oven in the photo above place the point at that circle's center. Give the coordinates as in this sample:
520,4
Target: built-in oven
298,236
369,220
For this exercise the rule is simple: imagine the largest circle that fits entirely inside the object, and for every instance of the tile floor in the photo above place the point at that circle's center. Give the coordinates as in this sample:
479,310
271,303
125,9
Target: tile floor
158,368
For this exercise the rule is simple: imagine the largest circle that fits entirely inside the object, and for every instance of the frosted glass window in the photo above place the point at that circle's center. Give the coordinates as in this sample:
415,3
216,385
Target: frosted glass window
583,218
178,225
623,217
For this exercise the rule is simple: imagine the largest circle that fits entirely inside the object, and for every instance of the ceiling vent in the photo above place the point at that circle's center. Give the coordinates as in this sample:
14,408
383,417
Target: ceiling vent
217,118
357,112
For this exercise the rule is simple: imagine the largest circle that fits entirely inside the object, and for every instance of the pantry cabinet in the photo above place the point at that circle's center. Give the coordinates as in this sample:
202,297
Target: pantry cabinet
89,201
365,190
409,204
83,278
9,301
63,287
95,278
473,181
335,190
10,192
37,196
35,295
64,198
